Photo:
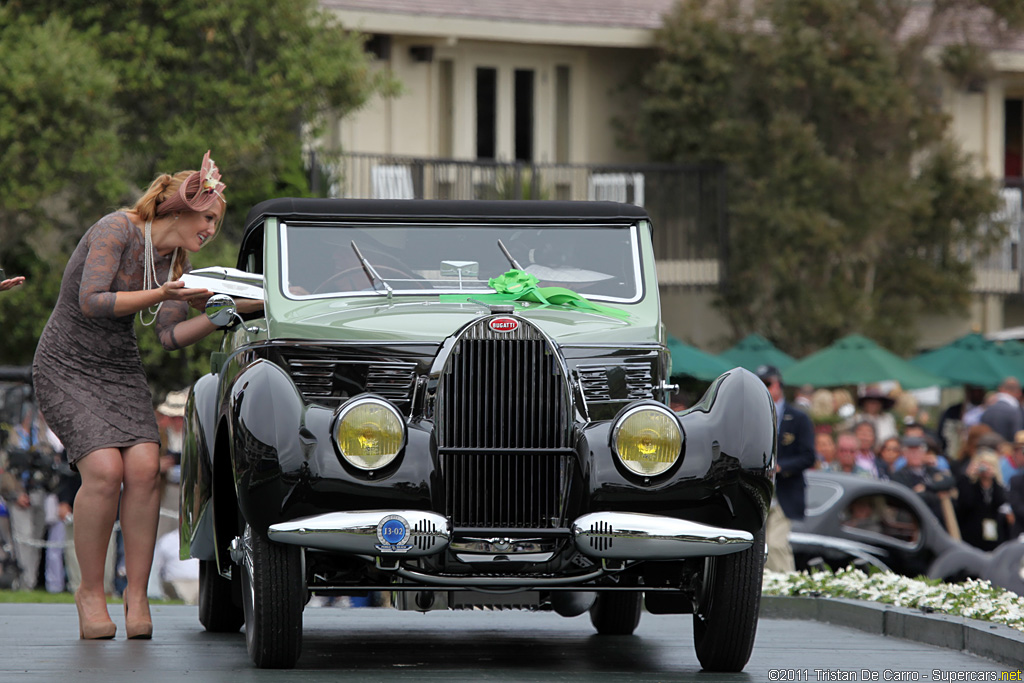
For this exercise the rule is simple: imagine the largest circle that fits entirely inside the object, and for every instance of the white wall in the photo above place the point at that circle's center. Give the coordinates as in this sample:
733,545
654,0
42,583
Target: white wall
410,124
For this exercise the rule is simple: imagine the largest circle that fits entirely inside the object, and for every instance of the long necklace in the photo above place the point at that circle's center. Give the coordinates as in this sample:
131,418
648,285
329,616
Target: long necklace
149,272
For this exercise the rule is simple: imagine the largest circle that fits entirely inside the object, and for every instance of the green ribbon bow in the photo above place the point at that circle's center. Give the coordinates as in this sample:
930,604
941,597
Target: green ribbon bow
516,285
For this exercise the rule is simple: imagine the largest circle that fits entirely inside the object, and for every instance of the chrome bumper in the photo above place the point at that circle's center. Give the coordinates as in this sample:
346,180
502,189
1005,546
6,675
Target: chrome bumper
601,535
408,533
636,536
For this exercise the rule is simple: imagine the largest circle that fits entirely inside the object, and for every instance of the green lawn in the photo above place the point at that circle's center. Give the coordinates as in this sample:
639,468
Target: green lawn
43,596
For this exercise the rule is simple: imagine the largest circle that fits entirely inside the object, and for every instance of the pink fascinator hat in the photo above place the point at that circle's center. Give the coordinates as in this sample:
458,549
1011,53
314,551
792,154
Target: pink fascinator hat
199,191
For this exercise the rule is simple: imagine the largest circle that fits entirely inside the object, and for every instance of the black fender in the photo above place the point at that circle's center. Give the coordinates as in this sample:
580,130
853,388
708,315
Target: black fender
961,558
726,474
731,434
196,529
735,418
1006,568
266,415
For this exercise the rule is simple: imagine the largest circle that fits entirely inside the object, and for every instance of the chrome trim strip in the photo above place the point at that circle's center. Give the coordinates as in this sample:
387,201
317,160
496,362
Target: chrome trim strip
359,532
636,536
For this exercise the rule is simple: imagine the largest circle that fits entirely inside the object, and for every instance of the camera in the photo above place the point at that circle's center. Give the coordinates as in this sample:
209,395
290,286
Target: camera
42,470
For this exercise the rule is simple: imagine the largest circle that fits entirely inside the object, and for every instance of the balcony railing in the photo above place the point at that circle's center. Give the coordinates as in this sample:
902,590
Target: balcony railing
1000,272
686,203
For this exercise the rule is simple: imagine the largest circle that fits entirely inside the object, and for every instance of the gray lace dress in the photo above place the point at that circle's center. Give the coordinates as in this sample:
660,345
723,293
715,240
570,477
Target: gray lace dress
87,372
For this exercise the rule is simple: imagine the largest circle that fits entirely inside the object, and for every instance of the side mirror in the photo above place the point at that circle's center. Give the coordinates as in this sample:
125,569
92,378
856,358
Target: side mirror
221,310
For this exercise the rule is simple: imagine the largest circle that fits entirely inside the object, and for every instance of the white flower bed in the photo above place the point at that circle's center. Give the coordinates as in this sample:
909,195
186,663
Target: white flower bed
972,599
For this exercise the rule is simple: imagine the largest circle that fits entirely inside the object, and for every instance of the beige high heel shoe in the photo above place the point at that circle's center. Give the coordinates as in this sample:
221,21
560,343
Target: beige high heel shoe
139,629
93,630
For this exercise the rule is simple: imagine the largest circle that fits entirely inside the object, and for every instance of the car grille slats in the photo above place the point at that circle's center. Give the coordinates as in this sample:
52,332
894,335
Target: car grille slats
314,378
503,426
524,491
330,381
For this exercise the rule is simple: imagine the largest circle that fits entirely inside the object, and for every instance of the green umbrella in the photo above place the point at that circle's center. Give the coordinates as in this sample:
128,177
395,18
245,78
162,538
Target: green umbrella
971,359
858,360
689,360
1013,351
754,351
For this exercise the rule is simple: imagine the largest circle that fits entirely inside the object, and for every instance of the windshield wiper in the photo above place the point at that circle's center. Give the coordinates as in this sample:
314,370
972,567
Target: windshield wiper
512,261
371,272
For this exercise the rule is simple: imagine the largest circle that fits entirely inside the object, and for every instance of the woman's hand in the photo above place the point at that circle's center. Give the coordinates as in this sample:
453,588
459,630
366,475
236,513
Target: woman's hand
11,283
175,291
199,302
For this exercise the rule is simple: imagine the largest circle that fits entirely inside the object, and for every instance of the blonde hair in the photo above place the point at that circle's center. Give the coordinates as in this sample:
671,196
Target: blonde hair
971,441
822,404
986,456
163,187
842,397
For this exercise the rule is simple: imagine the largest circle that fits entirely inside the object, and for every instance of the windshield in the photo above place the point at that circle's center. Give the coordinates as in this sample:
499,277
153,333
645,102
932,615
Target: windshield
598,262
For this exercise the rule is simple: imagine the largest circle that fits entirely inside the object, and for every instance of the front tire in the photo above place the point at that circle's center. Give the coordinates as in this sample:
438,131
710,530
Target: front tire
219,611
273,595
616,613
725,617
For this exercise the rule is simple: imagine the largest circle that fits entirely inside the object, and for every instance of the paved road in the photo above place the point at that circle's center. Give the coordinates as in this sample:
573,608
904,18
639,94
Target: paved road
39,643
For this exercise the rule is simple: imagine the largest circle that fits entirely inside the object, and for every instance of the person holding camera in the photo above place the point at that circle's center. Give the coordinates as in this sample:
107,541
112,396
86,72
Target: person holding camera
34,475
91,385
980,495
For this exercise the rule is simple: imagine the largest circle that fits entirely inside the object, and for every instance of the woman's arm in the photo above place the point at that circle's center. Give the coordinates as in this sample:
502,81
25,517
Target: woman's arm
130,303
175,332
185,332
108,241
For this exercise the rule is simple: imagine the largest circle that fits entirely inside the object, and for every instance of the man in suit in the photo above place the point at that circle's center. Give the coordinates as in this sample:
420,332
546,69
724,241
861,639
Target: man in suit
1015,497
930,483
1004,415
795,454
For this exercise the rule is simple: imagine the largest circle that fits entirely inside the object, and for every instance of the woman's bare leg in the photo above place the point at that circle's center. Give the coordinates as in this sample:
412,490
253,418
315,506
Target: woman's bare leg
95,511
140,513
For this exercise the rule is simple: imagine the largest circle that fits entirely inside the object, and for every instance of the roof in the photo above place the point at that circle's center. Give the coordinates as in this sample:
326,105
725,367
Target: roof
644,14
532,211
608,22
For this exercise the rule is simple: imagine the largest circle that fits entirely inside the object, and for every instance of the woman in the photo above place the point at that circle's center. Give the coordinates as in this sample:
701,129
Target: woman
980,497
824,449
971,443
91,385
888,454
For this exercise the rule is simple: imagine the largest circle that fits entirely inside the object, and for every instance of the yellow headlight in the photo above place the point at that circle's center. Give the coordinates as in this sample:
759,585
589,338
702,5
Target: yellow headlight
648,440
369,434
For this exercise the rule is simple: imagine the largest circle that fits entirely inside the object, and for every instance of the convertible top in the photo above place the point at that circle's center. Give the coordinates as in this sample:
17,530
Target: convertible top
441,210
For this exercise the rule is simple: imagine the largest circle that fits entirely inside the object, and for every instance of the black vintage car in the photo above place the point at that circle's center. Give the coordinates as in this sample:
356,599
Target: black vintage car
858,521
464,404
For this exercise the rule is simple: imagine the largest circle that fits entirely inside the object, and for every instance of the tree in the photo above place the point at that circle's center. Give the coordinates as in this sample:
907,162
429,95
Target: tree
59,154
251,80
850,208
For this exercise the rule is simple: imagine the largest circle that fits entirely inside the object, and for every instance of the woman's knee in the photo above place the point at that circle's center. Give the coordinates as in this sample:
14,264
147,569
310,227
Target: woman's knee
102,471
142,466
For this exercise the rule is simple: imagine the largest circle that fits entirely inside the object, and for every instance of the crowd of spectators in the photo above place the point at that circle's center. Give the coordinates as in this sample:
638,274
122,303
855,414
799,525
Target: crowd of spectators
37,494
968,469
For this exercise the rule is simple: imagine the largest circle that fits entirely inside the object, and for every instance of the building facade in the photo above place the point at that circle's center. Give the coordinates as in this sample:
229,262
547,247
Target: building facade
520,99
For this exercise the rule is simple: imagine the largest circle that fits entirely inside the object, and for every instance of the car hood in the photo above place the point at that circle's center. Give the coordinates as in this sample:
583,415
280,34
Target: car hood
434,321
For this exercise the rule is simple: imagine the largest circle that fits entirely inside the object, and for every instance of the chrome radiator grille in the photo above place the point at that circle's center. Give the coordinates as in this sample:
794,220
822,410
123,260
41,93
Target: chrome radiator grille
497,490
504,430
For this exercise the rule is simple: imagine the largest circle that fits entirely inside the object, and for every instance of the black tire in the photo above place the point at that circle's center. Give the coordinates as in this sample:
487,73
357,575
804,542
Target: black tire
725,620
273,595
219,609
616,613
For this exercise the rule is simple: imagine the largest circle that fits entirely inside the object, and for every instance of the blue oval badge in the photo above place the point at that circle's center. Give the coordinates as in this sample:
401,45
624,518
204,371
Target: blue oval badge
392,531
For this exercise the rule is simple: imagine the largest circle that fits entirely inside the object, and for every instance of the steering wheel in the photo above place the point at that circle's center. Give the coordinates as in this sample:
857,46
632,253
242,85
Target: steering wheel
353,279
